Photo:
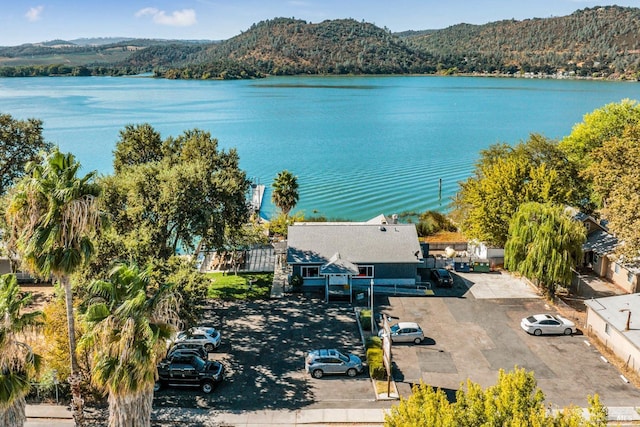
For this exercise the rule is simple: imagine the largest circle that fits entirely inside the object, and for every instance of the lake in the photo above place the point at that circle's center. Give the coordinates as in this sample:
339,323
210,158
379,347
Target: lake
360,146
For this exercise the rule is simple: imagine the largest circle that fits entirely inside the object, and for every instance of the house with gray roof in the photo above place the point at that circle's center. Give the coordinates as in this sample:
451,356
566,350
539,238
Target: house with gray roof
341,256
599,255
615,321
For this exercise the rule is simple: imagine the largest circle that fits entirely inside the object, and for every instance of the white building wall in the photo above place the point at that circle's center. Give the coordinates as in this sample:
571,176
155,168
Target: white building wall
613,339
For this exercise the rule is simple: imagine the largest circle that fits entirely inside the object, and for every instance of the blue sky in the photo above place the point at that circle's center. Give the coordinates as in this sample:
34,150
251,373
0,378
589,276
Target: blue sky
27,21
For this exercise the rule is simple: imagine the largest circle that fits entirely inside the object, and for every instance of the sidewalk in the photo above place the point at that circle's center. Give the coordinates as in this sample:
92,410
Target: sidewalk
52,415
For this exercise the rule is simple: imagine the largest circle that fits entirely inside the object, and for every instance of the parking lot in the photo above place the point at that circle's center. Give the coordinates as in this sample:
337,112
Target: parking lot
263,348
472,331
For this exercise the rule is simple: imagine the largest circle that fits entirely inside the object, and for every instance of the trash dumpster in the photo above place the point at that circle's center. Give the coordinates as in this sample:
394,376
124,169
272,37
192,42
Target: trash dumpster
482,266
462,265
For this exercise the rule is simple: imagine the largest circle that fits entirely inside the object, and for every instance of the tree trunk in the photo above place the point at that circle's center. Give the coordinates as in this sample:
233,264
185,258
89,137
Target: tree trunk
13,415
131,410
77,403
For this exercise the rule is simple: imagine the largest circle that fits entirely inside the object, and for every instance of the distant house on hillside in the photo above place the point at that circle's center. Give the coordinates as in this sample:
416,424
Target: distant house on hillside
340,256
599,255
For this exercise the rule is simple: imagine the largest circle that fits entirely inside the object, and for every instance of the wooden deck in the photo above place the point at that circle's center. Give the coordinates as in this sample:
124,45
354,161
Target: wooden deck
258,259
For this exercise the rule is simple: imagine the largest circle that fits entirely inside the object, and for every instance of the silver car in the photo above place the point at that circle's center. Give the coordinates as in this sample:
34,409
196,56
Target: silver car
206,336
547,324
330,361
404,332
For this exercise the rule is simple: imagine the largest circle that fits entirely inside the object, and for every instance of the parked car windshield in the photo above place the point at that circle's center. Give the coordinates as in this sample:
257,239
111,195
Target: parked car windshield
395,328
198,363
344,358
531,319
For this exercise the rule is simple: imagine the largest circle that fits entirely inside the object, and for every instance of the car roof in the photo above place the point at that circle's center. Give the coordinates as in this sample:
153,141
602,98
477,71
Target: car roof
544,317
324,352
403,325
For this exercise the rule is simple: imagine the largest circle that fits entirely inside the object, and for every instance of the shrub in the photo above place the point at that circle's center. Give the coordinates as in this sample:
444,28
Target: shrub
365,319
374,358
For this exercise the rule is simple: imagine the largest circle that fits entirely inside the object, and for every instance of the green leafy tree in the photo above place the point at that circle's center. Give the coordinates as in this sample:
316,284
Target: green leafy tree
18,363
138,144
506,177
279,226
52,216
129,324
21,141
285,191
431,222
615,173
514,401
598,127
544,244
194,192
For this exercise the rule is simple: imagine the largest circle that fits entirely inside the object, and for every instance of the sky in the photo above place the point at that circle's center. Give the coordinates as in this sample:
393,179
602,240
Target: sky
27,21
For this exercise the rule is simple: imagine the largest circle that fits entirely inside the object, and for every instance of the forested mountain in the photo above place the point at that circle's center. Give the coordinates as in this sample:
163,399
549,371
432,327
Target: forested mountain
596,40
593,42
289,46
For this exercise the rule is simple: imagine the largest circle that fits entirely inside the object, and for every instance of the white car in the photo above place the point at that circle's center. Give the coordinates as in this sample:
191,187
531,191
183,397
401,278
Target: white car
208,337
404,332
547,324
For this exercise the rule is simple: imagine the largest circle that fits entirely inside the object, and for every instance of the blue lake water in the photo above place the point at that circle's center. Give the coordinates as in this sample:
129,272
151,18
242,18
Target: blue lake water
360,146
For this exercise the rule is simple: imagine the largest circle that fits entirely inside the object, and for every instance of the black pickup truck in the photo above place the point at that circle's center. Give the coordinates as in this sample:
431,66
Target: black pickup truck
189,371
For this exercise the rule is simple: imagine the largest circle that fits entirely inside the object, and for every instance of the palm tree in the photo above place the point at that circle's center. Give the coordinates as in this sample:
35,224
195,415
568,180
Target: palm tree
128,325
285,191
51,216
18,364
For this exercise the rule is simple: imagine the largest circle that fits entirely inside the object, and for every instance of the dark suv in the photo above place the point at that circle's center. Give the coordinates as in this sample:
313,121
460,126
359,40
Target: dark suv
442,277
189,371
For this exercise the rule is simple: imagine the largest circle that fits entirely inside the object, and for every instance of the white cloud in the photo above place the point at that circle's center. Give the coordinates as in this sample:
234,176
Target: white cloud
34,13
178,18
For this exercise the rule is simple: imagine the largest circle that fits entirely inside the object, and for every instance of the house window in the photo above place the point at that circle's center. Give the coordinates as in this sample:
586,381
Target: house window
310,271
606,328
630,277
616,267
365,271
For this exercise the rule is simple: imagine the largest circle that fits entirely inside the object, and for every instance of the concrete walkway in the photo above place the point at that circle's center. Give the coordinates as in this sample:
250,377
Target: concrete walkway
48,415
52,415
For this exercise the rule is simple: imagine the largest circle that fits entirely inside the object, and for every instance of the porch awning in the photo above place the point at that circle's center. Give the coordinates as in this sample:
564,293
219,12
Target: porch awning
337,265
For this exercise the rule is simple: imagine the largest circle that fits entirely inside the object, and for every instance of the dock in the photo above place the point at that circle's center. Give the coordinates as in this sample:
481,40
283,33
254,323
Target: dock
257,194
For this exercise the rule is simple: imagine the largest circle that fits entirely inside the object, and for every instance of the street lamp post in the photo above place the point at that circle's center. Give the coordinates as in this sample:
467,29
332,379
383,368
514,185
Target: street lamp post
372,313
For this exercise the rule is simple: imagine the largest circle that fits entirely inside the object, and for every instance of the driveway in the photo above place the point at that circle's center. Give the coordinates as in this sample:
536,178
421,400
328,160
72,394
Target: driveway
474,331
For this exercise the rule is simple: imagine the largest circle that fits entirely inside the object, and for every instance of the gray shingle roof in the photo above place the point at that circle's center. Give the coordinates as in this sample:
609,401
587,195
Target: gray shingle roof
356,242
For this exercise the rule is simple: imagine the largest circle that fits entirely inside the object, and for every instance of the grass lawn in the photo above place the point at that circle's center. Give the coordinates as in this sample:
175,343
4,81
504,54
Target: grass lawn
240,286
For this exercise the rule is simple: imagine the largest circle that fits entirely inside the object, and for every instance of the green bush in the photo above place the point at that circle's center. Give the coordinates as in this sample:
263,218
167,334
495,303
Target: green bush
365,319
374,358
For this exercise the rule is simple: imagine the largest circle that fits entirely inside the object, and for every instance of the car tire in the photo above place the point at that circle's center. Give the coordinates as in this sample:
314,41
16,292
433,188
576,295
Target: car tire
209,347
537,332
206,386
317,373
352,372
157,386
417,340
568,331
